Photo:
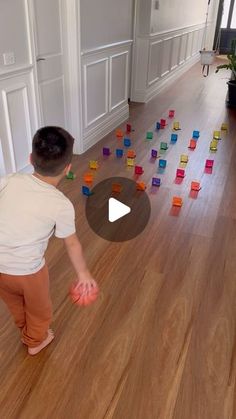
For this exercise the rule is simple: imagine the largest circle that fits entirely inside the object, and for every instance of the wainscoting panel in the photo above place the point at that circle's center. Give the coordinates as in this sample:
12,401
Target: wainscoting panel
195,48
176,42
105,83
118,79
189,45
164,57
17,121
183,48
16,110
96,91
154,65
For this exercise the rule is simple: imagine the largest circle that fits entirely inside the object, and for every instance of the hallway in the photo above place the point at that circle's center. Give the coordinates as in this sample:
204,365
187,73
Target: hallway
160,341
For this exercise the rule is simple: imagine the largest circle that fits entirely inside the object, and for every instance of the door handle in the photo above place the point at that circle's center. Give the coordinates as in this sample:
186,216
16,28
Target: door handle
40,59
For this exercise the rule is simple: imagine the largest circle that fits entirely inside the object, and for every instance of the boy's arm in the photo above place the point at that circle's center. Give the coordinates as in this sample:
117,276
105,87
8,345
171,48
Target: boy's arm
75,253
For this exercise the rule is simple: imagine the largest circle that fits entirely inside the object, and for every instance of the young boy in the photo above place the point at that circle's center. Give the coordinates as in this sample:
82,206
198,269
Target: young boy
32,209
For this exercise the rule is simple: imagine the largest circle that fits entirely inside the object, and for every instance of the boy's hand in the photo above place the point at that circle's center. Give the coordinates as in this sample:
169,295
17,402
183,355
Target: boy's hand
84,277
86,281
85,291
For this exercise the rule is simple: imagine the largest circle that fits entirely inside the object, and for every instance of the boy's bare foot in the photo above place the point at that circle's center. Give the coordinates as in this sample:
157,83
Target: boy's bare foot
37,349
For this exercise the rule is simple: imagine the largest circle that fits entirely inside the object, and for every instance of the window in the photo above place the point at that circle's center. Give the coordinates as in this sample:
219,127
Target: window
233,21
225,16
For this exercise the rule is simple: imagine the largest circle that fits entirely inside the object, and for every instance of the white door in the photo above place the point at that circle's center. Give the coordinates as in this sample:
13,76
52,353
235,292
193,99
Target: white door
49,31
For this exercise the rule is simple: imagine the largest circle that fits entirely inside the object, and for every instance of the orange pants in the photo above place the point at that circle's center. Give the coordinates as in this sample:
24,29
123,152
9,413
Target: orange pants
27,298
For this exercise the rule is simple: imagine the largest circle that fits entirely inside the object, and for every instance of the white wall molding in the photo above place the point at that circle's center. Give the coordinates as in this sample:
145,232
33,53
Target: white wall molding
11,160
24,69
105,47
175,52
174,31
123,81
154,63
18,121
166,56
103,62
104,127
105,83
74,79
162,57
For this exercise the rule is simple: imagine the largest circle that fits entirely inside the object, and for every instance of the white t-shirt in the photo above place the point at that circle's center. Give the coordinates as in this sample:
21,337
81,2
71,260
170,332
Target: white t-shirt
30,212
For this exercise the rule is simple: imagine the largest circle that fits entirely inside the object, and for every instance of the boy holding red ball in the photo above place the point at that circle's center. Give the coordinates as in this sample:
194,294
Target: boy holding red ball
32,209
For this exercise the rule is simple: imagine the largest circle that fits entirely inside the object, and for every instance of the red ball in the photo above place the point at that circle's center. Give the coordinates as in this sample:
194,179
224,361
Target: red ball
81,296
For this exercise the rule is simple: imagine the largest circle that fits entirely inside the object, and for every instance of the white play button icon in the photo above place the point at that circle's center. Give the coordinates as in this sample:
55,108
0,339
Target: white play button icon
117,216
117,210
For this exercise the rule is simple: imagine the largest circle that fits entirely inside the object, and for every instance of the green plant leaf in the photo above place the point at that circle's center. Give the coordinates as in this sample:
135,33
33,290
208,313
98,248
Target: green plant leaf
231,65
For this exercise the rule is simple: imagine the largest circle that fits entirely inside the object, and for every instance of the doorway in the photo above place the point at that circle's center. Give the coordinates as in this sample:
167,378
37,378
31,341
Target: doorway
49,26
226,26
57,65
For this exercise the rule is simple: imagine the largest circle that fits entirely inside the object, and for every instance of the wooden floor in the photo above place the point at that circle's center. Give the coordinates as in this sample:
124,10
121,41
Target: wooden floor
160,343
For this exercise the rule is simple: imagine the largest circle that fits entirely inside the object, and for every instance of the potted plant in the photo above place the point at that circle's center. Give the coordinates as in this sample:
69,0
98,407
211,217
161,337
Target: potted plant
231,65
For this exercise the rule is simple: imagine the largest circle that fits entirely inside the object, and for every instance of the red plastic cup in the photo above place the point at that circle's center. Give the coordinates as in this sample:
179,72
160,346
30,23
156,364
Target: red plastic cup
163,123
171,113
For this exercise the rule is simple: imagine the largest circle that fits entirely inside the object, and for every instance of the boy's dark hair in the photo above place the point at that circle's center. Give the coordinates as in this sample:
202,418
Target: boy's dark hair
52,150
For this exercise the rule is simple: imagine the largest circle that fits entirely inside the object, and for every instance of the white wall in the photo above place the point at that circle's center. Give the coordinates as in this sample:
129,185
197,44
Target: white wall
13,32
175,14
144,10
105,22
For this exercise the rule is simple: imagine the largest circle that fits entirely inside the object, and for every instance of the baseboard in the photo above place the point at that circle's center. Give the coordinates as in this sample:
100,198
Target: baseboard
108,124
149,93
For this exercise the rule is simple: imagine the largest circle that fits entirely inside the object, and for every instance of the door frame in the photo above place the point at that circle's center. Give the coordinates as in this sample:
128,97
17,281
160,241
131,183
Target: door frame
219,19
133,50
70,14
218,22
